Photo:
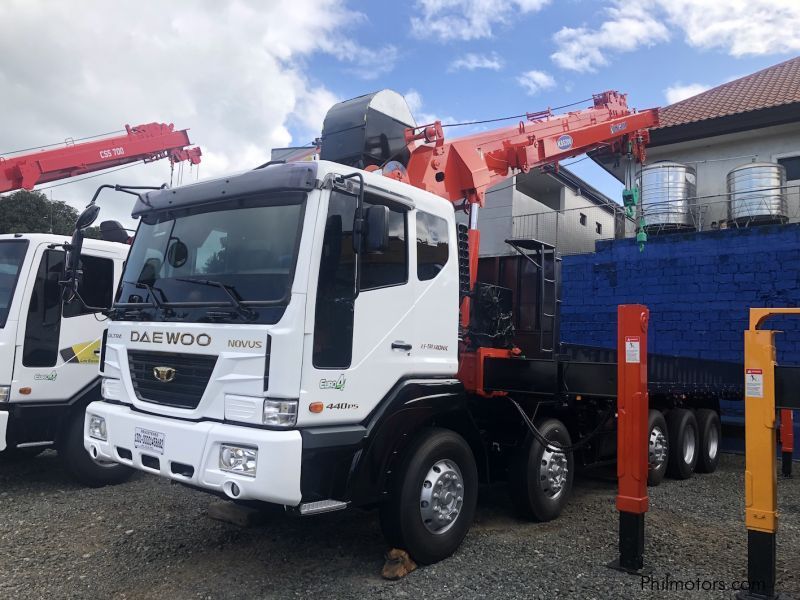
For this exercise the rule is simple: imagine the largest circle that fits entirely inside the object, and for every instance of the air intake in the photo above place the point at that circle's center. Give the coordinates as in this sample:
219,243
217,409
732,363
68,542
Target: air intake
368,130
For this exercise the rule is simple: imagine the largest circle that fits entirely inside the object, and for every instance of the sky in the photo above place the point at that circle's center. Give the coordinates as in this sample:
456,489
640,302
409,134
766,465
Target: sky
247,76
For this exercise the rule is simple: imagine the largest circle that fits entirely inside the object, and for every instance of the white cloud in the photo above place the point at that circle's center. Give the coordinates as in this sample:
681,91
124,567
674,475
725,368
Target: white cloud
472,61
415,104
737,27
676,93
235,73
536,81
467,19
629,26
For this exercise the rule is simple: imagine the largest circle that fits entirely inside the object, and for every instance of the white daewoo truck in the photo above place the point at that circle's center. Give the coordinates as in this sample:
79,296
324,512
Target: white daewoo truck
49,348
312,334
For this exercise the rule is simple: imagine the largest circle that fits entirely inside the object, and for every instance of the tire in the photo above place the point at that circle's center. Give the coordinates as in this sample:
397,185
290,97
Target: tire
535,494
683,443
409,519
657,447
81,465
710,430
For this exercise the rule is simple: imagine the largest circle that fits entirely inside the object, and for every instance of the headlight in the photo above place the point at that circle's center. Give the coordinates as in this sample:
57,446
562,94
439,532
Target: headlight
110,389
236,459
97,428
280,413
5,392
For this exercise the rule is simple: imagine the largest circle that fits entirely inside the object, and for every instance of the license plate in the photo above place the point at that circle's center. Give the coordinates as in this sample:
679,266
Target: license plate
149,440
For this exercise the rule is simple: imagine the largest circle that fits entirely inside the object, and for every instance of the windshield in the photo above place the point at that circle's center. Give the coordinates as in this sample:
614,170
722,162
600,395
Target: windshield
226,255
12,252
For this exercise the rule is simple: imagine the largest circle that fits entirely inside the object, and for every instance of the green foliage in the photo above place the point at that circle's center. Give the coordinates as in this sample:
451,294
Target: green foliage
33,212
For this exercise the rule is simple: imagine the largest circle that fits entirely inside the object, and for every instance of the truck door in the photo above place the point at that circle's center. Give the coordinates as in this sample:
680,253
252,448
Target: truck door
56,342
363,327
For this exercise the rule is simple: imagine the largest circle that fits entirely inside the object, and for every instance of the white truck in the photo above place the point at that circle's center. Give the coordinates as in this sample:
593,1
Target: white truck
312,335
49,349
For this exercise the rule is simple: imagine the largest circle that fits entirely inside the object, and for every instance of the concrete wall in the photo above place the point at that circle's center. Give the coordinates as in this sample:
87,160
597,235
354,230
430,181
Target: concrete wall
698,286
715,157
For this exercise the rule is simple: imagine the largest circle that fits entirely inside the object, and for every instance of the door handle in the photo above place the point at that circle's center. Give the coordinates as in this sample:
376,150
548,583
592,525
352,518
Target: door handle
401,345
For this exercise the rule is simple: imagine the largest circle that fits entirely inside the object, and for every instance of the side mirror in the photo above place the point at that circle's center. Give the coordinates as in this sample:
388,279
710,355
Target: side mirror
376,239
85,219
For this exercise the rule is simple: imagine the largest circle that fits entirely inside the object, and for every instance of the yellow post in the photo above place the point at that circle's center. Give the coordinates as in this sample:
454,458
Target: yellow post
760,476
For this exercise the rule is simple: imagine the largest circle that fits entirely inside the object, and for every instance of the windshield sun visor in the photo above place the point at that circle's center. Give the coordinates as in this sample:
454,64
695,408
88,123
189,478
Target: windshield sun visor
276,177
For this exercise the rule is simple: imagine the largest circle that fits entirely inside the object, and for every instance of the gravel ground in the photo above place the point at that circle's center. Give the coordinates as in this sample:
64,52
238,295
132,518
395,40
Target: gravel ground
150,539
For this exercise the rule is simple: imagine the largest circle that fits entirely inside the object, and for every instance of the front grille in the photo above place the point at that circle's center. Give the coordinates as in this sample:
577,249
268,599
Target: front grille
192,372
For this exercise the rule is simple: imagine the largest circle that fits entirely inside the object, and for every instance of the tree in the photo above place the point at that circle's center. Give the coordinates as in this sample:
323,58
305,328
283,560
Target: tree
33,212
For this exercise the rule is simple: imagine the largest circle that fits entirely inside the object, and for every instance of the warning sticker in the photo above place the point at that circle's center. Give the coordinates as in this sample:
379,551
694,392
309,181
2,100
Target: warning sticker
632,346
754,383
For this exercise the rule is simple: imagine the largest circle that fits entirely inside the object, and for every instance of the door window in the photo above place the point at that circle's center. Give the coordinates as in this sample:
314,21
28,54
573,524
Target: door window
432,250
336,287
390,267
43,324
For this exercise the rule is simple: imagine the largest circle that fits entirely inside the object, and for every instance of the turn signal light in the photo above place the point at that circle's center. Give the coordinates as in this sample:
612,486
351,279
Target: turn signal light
316,407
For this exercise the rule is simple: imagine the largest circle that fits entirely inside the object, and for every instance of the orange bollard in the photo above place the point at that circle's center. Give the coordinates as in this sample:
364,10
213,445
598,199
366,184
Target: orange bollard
632,409
787,441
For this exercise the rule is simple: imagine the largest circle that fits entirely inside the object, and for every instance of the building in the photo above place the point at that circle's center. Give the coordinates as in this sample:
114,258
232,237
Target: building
557,208
755,118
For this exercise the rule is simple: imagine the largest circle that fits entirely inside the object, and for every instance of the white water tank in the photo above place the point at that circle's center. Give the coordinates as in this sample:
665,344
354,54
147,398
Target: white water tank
669,191
757,194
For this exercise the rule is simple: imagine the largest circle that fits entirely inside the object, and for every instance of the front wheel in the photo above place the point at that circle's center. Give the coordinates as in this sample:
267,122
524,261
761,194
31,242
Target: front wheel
84,468
540,476
433,499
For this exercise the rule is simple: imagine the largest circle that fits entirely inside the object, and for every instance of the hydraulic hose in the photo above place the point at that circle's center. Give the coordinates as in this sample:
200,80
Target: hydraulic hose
548,444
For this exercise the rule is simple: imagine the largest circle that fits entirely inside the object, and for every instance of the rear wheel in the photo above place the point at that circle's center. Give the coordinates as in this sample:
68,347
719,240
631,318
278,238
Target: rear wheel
683,446
84,468
433,501
540,477
657,448
710,430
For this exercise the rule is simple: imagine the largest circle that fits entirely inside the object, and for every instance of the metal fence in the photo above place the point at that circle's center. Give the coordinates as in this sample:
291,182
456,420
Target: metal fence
575,231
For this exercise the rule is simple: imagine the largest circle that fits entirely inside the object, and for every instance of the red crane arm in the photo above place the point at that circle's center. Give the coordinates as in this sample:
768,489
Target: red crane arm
148,143
465,167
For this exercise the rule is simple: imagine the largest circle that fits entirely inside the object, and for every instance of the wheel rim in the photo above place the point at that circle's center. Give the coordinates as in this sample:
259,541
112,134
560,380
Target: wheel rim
553,472
713,443
657,450
441,497
689,444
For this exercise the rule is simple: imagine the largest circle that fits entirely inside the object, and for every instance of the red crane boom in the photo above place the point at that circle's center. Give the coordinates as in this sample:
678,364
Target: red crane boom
462,170
465,167
147,143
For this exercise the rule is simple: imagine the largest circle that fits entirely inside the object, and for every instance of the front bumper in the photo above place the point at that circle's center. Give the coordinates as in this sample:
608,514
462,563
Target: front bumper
3,428
197,445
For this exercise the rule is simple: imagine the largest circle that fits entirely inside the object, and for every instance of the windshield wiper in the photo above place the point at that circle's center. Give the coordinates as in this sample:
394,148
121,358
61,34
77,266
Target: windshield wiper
151,291
229,290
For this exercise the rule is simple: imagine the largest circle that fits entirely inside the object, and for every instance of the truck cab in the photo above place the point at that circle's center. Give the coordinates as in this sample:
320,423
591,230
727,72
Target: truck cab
278,335
49,348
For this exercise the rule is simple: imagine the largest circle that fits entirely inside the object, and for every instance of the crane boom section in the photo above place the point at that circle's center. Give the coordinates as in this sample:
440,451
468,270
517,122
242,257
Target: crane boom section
147,143
465,167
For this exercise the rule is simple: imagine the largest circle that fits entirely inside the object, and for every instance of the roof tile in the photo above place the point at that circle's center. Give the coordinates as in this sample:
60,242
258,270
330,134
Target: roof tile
773,86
